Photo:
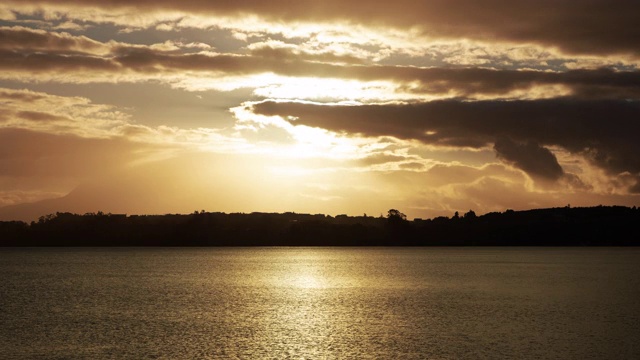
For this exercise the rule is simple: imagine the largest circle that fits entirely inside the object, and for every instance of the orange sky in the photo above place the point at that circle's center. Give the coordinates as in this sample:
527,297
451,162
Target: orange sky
329,107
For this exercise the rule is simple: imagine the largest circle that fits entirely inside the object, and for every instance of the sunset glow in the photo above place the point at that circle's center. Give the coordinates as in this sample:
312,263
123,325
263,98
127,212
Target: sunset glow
161,107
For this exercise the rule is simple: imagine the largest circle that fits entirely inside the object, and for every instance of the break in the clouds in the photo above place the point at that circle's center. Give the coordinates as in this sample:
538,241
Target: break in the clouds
431,107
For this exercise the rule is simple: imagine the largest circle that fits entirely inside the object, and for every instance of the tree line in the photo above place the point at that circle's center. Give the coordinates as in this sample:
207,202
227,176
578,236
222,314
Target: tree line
567,226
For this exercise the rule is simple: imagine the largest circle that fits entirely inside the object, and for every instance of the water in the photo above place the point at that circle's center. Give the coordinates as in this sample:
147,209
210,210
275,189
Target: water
320,303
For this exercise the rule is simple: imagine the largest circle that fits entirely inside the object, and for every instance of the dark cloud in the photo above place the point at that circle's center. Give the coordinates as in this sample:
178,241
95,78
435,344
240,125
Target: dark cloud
530,157
464,81
598,83
574,182
24,96
574,26
380,158
52,52
38,116
17,37
37,62
149,60
125,60
604,131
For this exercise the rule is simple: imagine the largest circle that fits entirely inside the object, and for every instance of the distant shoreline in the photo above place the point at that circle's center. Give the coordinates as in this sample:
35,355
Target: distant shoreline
585,226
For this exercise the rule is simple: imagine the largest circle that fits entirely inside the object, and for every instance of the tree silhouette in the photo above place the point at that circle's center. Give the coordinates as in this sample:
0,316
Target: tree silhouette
470,215
602,225
395,215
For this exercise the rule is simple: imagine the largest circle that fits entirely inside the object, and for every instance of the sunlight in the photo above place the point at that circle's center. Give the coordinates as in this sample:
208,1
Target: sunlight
308,142
307,281
275,86
323,143
332,89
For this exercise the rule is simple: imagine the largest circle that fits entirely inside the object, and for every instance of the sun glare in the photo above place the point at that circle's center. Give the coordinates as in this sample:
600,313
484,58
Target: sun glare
304,142
270,85
307,281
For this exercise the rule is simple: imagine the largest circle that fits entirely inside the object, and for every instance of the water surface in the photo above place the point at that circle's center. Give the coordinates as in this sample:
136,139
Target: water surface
359,303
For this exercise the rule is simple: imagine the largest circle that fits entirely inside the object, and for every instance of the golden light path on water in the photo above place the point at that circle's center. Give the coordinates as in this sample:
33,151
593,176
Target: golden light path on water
316,303
307,281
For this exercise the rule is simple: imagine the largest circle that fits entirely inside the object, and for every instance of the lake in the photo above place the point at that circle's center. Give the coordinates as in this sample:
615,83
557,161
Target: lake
320,303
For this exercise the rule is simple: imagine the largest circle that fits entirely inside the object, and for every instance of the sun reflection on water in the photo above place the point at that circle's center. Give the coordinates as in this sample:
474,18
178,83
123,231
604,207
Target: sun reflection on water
307,281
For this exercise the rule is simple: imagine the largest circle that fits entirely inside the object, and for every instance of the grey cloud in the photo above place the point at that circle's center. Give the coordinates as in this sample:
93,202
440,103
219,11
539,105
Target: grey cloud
143,61
21,96
534,159
38,116
573,181
148,60
574,26
464,82
17,37
604,131
47,62
596,83
52,52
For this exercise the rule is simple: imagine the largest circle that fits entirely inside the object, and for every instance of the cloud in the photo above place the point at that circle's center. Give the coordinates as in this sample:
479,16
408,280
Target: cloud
384,158
284,52
25,96
447,175
591,27
78,116
534,159
49,144
18,38
460,82
37,55
604,131
25,109
14,197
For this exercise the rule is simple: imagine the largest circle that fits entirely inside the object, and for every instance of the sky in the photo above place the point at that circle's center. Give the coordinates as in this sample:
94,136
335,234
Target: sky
333,107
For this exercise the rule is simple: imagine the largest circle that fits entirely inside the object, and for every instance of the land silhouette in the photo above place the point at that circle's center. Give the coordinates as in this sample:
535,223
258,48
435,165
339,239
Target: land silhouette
566,226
